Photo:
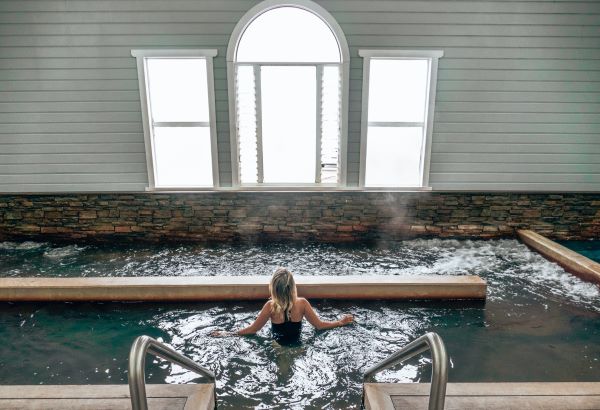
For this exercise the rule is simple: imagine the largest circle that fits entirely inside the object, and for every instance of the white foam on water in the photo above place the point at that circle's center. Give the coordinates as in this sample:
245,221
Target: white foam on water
508,261
21,246
63,252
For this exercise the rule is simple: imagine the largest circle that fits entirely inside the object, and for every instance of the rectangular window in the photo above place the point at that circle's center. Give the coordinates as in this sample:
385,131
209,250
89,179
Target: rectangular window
288,96
288,123
177,93
398,99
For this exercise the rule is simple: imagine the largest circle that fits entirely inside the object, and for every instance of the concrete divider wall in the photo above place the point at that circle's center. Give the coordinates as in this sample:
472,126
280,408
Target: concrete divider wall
572,261
219,288
320,216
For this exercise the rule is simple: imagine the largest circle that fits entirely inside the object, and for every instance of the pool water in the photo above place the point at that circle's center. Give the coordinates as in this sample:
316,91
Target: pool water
538,324
59,260
589,249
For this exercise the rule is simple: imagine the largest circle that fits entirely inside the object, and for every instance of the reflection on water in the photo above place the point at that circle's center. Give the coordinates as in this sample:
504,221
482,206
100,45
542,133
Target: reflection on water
88,343
538,324
520,339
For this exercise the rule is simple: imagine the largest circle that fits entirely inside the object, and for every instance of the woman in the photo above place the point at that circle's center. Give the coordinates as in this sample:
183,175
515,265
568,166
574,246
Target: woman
286,311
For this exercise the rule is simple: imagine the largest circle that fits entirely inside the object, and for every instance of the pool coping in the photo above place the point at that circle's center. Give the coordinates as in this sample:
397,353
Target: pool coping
570,260
195,396
483,395
233,288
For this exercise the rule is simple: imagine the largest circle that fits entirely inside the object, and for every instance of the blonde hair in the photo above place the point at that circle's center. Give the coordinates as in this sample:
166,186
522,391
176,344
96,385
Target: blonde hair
283,291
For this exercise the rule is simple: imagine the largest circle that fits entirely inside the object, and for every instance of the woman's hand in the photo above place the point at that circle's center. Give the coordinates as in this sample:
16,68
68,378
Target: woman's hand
346,320
221,333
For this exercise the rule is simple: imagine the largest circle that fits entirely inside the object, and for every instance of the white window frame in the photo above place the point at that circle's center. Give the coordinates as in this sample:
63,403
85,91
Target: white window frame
141,56
234,40
432,56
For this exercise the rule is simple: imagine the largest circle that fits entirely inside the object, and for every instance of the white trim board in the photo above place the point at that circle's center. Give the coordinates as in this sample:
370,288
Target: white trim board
234,39
147,123
432,57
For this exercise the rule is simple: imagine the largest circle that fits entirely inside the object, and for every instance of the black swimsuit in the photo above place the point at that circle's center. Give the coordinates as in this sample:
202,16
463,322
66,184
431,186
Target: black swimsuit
288,332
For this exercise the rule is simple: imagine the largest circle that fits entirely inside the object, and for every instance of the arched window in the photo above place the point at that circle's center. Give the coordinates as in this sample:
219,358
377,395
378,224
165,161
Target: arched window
287,66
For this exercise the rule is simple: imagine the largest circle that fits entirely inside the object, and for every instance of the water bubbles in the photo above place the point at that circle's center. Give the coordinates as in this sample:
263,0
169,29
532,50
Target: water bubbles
531,302
21,246
63,252
502,263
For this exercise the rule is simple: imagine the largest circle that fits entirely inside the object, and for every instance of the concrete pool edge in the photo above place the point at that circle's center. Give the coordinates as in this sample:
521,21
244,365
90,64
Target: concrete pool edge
232,288
571,261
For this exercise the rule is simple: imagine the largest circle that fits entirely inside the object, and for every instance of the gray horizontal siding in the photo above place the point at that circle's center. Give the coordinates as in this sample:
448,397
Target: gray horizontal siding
517,107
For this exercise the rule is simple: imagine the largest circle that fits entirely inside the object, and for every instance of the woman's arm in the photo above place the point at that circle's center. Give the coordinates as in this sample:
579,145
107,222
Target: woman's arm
258,324
314,319
260,321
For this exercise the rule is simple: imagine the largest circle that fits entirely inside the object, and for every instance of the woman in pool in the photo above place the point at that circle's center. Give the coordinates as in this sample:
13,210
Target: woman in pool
286,311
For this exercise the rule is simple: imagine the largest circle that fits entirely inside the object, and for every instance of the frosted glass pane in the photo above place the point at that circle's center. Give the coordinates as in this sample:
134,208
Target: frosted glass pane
398,90
330,125
288,34
289,124
246,123
178,89
182,157
393,156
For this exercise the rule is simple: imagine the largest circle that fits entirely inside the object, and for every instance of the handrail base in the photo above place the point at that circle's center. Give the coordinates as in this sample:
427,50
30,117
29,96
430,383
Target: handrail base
144,345
439,360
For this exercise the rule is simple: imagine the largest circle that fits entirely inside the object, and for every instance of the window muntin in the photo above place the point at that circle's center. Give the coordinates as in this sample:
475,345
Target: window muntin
178,110
304,43
397,116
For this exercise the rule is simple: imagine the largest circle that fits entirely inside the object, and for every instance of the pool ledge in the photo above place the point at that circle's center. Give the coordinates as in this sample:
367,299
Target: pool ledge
222,288
480,396
115,397
571,261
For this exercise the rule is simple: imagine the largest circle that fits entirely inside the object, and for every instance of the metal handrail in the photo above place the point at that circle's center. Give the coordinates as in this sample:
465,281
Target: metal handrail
439,374
137,364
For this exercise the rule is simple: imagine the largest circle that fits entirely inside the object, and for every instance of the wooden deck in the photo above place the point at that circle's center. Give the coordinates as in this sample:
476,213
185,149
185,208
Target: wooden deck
220,288
489,396
106,397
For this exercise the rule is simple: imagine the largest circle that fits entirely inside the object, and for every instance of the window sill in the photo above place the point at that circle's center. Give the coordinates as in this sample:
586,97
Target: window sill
281,188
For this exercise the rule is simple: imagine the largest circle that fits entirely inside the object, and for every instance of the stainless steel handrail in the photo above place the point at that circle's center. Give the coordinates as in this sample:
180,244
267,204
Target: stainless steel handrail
439,374
137,364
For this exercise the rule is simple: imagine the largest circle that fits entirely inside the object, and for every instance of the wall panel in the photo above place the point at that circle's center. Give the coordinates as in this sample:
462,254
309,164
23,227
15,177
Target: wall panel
518,102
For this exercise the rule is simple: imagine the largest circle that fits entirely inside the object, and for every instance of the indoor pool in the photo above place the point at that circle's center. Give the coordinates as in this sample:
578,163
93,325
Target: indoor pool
538,324
589,249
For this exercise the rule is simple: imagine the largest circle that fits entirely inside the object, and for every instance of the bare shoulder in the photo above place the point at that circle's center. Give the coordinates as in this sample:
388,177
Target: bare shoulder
268,305
303,302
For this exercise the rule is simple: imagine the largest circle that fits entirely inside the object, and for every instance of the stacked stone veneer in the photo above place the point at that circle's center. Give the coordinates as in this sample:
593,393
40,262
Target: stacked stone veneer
320,216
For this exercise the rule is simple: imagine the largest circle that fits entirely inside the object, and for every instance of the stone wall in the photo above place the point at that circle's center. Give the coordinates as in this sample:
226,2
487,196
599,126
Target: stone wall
319,216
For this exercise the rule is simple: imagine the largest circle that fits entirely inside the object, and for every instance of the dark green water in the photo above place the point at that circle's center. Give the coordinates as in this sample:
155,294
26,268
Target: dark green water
538,324
589,249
